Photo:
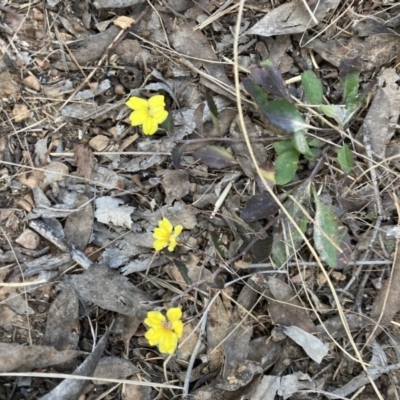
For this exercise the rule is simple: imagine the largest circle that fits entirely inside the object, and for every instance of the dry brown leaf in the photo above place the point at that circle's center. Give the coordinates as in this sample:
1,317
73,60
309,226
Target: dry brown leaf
292,17
16,357
190,338
55,172
109,290
84,159
284,308
387,301
113,368
374,52
79,225
176,185
8,88
62,326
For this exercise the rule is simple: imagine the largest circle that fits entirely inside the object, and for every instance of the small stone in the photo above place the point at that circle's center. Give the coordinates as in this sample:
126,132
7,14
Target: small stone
32,82
37,15
99,143
21,112
119,90
24,204
28,239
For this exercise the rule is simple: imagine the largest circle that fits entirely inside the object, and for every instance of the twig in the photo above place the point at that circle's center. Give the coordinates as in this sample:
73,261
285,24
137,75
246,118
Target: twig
196,349
380,212
313,17
87,79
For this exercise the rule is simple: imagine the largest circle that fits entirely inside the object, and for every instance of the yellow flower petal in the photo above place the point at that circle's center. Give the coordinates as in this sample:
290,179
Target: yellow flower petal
177,326
156,101
160,234
177,230
136,103
160,116
154,318
168,342
150,126
138,117
160,244
165,224
172,244
174,314
154,336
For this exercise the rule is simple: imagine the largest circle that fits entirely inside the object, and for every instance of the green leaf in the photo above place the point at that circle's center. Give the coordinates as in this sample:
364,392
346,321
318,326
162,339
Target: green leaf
330,237
183,269
334,112
349,77
292,239
215,157
315,153
301,144
286,166
284,116
271,79
312,87
352,107
282,146
345,159
211,104
259,95
214,111
168,124
262,250
217,245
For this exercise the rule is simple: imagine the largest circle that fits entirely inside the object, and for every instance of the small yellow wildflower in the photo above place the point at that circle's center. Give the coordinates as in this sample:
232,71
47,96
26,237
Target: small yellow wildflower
166,235
148,113
163,333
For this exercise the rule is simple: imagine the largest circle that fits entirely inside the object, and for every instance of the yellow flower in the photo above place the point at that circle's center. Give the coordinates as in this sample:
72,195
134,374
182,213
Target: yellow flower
166,235
148,113
164,333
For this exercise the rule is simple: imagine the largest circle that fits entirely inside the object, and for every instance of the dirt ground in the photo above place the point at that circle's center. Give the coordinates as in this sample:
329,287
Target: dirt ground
199,199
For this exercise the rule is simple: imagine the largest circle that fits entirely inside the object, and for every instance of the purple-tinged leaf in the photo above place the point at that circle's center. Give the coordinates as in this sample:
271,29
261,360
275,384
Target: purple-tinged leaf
258,207
284,116
267,170
270,79
215,157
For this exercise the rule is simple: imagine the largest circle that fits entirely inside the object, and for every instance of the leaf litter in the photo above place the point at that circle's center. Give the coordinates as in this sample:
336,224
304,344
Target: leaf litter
270,300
